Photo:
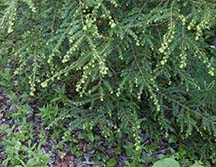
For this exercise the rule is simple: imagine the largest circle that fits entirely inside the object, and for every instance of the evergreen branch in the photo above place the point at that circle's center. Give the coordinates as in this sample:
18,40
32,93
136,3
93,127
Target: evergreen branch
187,108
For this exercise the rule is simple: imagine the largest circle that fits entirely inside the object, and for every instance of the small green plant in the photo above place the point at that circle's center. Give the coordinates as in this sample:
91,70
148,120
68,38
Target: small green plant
20,146
20,150
167,162
170,162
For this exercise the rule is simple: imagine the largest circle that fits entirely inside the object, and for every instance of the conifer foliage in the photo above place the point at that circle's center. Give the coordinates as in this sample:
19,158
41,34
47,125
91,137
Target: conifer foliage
138,65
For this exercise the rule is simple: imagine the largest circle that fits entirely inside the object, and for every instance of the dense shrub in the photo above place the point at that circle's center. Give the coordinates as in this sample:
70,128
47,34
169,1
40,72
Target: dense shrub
134,66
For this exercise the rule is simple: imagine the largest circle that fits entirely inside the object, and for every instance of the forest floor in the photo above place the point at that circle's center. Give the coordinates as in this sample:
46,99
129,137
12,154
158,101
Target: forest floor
64,158
58,158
